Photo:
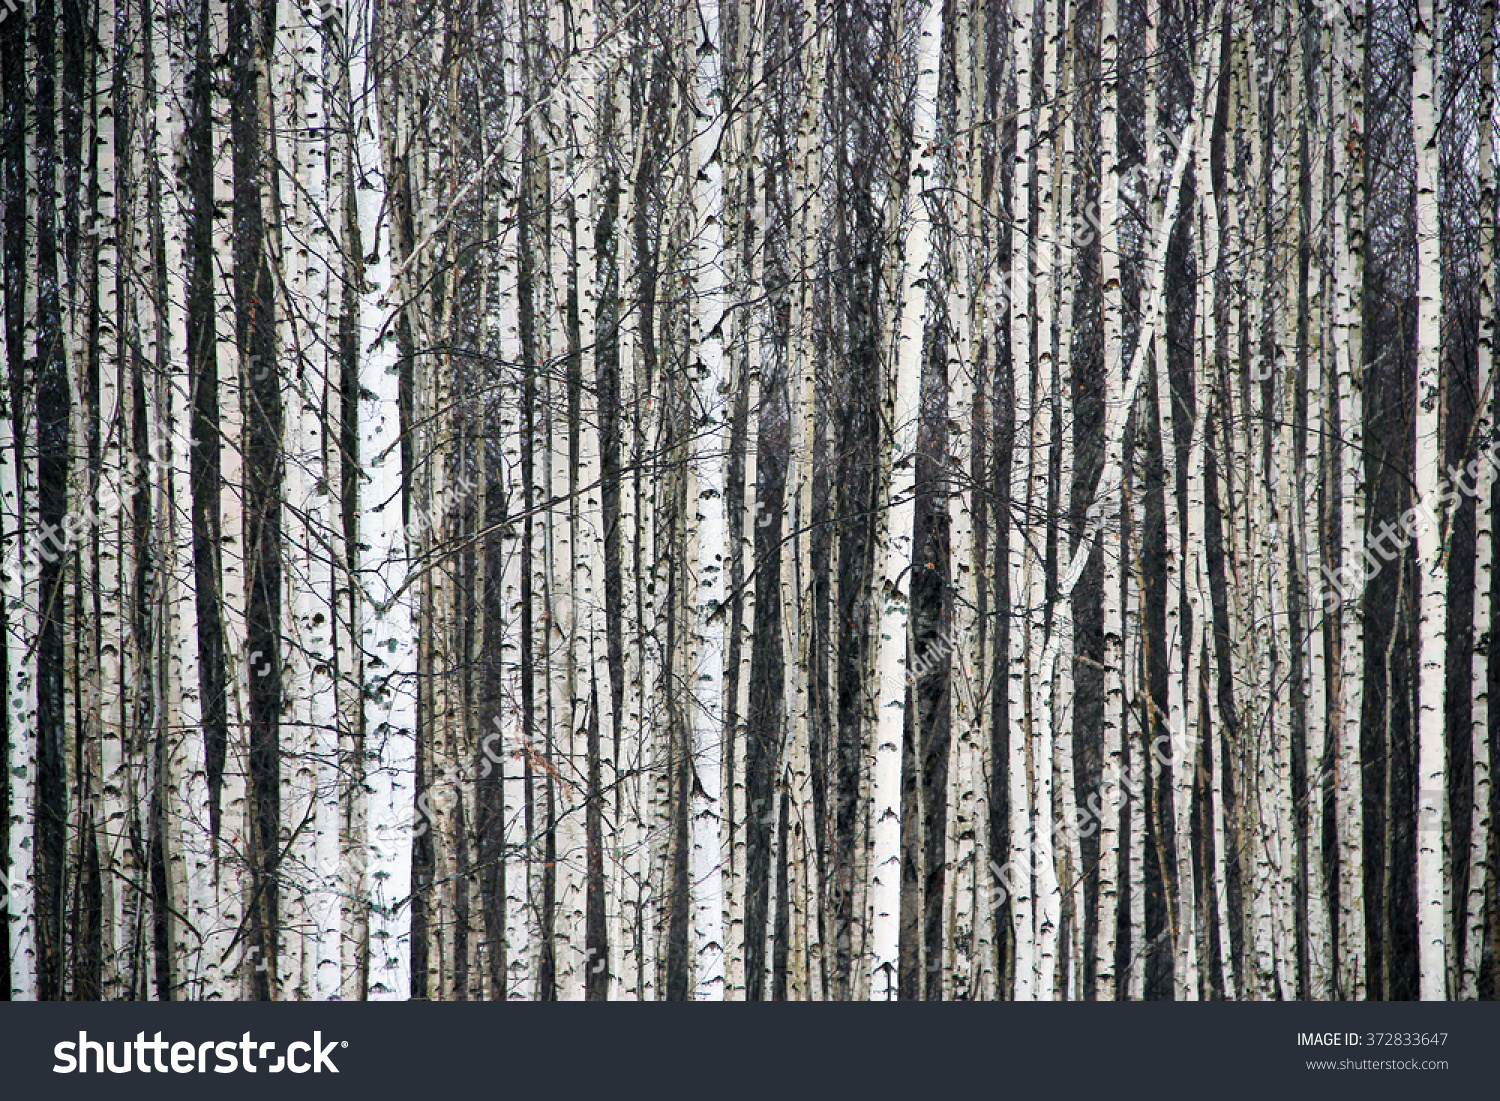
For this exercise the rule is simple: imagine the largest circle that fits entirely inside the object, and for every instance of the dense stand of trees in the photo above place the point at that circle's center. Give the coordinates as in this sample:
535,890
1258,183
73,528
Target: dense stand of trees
769,499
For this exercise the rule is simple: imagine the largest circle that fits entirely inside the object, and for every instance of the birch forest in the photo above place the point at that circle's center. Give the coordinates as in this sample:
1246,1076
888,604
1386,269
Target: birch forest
748,499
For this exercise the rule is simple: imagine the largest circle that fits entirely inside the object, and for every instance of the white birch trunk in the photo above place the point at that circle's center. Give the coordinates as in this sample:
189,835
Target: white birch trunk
17,500
1023,812
751,213
1105,979
1061,667
183,760
902,402
389,638
288,261
116,484
708,470
1348,112
315,609
1432,568
1480,822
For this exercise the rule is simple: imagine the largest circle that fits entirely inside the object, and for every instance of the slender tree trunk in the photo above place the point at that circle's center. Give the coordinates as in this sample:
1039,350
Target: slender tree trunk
1481,822
707,712
1113,759
389,637
901,412
1432,566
